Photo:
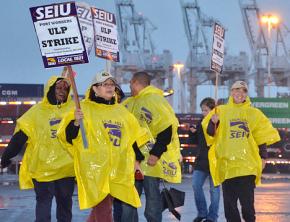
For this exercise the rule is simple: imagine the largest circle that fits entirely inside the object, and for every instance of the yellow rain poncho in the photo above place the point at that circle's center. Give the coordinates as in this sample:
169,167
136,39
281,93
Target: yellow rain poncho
44,159
234,149
107,165
155,114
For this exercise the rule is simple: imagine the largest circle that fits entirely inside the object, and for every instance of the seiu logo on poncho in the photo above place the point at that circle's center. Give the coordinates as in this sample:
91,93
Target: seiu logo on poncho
239,129
114,133
146,115
53,122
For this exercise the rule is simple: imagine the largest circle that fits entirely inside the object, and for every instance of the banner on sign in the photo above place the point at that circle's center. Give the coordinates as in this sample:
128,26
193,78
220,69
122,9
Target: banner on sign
276,109
59,35
106,40
217,58
86,23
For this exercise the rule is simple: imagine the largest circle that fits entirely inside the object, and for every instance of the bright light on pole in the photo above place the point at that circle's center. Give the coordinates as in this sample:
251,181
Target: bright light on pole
179,66
269,20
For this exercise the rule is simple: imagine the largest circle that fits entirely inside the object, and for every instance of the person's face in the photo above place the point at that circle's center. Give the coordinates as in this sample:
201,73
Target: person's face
205,110
133,88
239,95
61,91
105,89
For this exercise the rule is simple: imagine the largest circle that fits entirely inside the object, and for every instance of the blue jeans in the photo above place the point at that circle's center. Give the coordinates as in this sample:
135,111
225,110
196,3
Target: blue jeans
198,180
124,212
153,206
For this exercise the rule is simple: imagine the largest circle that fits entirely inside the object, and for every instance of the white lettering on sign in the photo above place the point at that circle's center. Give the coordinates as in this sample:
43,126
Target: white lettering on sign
9,92
84,13
276,105
219,30
280,120
53,11
103,15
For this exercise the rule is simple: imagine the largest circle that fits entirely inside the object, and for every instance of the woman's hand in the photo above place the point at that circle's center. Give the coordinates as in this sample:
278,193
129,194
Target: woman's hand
78,116
215,118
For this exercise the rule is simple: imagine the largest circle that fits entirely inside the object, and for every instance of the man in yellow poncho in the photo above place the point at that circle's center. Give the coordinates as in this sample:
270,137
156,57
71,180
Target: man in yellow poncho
162,154
46,165
104,170
238,135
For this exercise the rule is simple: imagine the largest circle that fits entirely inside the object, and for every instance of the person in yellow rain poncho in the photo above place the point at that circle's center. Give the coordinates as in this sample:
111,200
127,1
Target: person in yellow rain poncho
238,135
46,165
105,169
162,153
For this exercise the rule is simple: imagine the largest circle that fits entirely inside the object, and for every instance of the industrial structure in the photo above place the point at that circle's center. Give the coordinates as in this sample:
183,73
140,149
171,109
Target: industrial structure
137,48
268,63
199,29
269,55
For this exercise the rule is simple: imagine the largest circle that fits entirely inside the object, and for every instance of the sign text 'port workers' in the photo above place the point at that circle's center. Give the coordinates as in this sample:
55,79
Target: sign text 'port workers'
59,36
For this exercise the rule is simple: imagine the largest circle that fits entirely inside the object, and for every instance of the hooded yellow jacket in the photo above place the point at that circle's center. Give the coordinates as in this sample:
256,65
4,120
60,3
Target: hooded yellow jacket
44,159
107,165
155,114
234,149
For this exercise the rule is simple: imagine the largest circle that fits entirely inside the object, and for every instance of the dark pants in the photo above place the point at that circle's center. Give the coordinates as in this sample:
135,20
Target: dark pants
62,190
242,189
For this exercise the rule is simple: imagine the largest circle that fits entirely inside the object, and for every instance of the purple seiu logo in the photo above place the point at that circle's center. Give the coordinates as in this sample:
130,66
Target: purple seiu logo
146,115
239,129
114,133
53,122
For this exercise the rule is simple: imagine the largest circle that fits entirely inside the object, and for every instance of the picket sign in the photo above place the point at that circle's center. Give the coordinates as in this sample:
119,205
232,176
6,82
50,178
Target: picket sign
61,42
217,58
67,33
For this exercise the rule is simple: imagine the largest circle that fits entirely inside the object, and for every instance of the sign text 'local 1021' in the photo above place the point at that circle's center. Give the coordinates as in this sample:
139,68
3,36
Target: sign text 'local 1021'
59,35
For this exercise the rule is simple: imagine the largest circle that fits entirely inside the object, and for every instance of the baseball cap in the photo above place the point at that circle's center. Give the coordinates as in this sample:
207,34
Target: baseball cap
102,77
239,84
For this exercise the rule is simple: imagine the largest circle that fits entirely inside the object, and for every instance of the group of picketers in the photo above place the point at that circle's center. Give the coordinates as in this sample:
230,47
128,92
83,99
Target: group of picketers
138,135
132,145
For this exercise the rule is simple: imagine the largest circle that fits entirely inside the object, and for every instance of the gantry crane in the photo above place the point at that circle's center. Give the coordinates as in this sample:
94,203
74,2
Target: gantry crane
261,47
199,31
137,49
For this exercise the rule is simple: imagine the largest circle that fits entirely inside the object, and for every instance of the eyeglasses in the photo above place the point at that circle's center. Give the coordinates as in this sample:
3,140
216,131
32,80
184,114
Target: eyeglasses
106,84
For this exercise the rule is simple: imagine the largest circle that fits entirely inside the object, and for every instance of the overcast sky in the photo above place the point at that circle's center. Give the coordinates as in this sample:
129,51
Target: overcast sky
20,58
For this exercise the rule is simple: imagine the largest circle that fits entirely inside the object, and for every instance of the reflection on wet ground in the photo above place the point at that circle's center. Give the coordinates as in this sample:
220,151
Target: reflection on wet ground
272,204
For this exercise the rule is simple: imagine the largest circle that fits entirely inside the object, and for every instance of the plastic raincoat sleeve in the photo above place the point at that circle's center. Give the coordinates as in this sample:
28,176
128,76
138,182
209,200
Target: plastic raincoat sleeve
209,139
263,131
61,132
142,137
25,180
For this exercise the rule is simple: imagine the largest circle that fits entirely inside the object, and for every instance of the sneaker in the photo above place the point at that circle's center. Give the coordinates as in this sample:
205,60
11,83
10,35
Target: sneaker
198,219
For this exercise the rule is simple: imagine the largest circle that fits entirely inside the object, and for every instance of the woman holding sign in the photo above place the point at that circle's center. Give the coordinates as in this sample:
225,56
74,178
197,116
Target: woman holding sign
106,169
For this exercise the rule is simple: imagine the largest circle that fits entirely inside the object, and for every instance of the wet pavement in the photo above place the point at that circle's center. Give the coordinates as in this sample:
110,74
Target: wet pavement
272,202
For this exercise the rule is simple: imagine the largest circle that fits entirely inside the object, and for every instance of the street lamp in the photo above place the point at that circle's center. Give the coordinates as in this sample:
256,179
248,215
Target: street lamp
179,66
168,92
269,20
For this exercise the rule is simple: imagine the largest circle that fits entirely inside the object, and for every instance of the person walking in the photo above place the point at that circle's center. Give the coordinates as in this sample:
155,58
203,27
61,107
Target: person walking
162,153
201,171
104,170
238,135
46,165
